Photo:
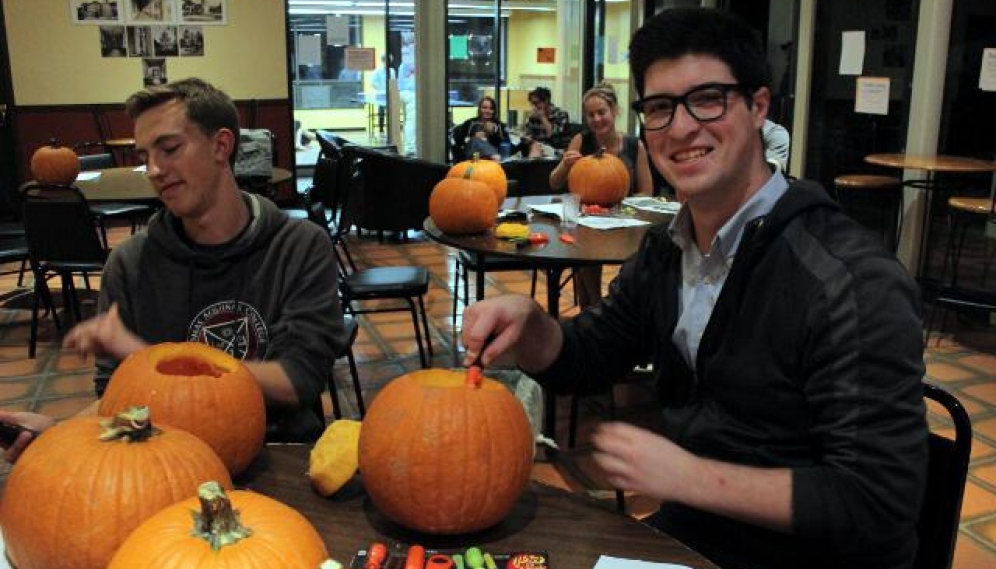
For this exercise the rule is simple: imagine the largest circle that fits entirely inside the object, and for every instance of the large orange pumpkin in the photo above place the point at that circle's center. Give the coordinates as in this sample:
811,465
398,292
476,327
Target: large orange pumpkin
219,530
487,171
197,388
54,164
461,206
72,498
442,456
600,178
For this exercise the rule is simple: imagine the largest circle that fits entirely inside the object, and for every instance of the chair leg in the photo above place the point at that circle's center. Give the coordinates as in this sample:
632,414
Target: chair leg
334,396
425,327
33,336
20,274
356,382
418,333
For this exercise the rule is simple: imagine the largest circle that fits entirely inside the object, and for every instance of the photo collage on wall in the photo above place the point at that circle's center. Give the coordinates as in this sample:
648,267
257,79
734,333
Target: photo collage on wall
152,30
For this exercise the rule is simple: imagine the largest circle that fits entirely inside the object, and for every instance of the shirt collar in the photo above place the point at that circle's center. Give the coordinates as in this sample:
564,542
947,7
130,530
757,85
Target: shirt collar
727,240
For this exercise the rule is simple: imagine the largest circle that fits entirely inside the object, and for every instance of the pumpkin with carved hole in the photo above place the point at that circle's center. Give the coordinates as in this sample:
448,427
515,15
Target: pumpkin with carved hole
54,164
600,178
198,388
442,453
487,171
215,529
85,484
462,206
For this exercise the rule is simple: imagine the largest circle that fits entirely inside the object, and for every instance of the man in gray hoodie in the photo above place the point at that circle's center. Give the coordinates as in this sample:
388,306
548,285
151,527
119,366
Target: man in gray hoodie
218,265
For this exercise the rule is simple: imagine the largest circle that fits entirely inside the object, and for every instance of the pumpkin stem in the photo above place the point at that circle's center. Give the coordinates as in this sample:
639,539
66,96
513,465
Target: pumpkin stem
132,424
217,522
469,172
600,152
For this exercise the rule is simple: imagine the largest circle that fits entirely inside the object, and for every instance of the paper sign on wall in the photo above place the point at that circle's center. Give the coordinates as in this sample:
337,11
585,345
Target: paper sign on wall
337,30
309,49
852,53
987,75
872,95
546,55
360,58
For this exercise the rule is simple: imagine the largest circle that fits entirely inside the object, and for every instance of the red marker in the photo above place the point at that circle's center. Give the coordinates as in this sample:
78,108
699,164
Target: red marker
376,556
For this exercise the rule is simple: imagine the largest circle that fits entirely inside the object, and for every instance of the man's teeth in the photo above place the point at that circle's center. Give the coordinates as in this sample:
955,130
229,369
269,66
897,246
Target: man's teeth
690,154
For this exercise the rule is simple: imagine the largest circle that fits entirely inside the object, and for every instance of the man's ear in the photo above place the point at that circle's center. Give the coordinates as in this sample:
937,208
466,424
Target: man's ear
224,144
762,104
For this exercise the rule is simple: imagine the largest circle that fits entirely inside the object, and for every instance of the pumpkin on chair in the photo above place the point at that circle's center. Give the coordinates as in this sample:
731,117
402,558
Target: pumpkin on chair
197,388
600,178
77,491
444,453
54,164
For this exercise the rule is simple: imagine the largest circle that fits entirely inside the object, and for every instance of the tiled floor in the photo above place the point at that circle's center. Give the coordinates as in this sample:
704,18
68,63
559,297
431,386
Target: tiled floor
58,383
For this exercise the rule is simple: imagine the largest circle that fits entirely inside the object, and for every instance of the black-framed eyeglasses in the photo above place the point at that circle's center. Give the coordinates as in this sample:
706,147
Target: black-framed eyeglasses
705,103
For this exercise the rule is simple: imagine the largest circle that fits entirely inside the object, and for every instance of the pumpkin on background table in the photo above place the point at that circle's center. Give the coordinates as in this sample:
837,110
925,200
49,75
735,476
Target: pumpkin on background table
442,455
600,178
197,388
54,164
77,491
487,171
462,206
218,530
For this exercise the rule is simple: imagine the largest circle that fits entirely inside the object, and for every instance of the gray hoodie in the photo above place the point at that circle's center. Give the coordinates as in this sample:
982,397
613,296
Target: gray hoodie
269,294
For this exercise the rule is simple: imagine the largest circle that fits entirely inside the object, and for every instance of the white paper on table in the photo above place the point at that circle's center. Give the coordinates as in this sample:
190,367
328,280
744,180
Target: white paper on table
141,168
658,205
599,222
88,175
606,562
852,53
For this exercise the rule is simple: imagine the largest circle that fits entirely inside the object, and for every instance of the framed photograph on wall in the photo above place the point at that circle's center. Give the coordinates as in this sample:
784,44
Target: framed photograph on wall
164,43
150,12
112,41
139,41
191,41
95,12
154,72
203,12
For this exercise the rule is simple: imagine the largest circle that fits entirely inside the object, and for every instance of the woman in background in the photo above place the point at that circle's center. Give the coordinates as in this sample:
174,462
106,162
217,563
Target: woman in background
601,108
482,134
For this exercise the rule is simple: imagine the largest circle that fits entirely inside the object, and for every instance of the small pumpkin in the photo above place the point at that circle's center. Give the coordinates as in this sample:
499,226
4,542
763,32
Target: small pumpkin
600,178
462,206
487,171
218,530
443,455
197,388
77,491
54,164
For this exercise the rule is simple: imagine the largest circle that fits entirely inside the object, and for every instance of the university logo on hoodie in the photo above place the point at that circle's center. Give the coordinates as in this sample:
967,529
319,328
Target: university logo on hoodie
233,327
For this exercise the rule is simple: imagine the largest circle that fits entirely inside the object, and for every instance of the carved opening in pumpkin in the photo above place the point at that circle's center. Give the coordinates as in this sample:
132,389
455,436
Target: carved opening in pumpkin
184,365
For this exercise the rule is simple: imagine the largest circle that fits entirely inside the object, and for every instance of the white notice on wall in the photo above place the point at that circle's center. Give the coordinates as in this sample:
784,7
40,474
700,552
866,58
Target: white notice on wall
337,30
987,75
872,95
852,53
309,49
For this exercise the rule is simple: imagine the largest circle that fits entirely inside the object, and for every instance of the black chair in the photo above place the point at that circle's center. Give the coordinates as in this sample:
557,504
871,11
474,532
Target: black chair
336,183
353,328
947,467
13,247
532,175
103,211
61,242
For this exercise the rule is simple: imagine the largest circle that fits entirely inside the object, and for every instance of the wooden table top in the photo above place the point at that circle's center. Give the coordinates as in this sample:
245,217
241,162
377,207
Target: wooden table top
130,185
573,530
932,162
590,246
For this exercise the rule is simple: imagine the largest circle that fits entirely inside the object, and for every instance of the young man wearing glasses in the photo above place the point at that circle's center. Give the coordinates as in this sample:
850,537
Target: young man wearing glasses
786,341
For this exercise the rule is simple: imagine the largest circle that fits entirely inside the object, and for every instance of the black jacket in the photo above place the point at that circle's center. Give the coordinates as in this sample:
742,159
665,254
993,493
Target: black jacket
812,360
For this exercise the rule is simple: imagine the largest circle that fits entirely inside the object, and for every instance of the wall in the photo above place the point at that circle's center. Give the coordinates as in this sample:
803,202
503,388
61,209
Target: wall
56,62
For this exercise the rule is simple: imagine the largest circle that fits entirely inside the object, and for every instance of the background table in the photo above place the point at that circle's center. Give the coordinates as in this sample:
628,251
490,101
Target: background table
931,164
590,247
130,185
573,530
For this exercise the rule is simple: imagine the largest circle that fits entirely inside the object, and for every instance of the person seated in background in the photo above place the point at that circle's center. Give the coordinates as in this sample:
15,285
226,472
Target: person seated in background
776,144
786,342
601,108
482,135
544,123
216,262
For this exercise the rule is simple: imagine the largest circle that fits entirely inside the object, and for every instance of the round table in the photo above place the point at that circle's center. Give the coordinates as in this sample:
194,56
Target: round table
931,164
129,184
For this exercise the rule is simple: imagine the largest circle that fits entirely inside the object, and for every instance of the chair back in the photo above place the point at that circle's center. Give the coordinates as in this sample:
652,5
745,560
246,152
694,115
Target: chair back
532,175
394,194
58,226
947,467
101,161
